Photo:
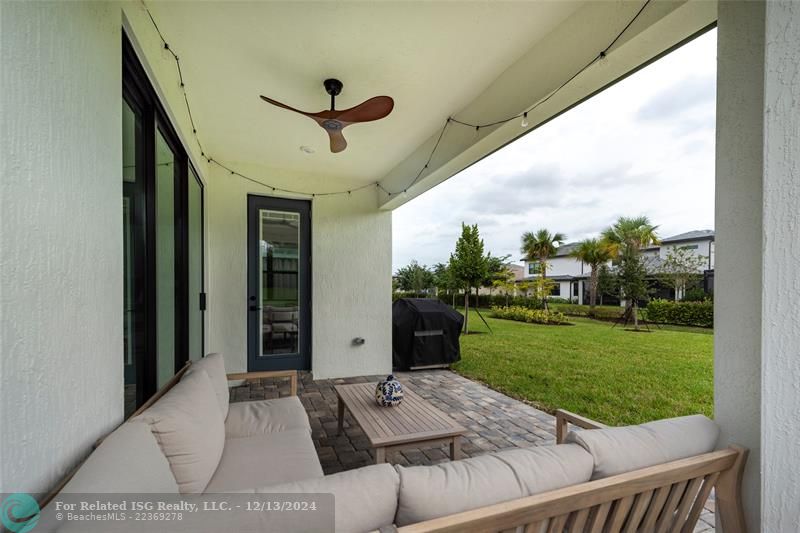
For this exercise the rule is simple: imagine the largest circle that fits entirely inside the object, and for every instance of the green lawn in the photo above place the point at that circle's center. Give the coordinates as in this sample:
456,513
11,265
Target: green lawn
611,375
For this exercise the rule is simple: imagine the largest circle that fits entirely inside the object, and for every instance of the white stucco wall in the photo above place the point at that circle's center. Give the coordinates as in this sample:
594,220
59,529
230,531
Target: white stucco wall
757,317
351,254
559,266
780,341
738,211
60,235
565,266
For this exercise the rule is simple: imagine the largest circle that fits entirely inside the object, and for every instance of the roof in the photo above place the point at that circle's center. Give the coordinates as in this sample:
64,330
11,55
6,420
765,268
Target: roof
695,235
566,249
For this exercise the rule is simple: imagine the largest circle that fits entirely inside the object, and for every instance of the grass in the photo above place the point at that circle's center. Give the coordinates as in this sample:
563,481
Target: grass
610,375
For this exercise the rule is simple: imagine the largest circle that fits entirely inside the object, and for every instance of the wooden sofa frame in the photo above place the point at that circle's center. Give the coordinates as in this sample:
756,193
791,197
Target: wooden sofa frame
662,498
238,376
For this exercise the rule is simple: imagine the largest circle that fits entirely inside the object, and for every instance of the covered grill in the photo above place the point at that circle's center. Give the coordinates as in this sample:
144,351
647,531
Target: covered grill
424,333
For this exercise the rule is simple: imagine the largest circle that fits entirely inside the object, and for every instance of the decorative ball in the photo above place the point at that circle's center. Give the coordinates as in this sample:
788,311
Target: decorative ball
389,392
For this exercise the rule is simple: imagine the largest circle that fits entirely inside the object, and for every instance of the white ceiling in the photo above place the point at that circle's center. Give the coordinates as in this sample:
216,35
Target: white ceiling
432,58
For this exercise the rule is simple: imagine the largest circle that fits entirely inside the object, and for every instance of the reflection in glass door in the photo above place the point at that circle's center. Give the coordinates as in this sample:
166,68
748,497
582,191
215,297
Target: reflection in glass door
134,334
278,299
165,260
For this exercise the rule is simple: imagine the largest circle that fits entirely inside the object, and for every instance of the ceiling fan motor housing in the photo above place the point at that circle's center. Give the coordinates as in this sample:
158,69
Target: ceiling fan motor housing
333,86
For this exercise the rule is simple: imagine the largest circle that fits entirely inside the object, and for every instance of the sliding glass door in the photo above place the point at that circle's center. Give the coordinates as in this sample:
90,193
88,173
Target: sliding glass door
162,209
196,295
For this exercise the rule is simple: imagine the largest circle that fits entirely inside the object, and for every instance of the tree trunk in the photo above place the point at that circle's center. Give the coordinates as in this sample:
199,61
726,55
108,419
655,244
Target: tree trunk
635,308
506,298
466,310
593,289
543,270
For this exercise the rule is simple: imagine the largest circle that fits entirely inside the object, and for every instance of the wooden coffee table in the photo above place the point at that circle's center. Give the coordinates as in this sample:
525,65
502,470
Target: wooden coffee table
412,424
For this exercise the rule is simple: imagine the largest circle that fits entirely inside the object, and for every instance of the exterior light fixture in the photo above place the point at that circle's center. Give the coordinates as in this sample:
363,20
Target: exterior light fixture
524,123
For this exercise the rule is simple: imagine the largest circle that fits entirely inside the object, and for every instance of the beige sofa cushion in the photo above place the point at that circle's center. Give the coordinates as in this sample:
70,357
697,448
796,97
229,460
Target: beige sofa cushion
214,366
622,449
265,416
188,426
365,498
128,460
428,492
268,459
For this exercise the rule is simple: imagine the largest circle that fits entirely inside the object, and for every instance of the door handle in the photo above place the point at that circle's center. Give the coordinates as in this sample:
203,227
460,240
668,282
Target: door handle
255,308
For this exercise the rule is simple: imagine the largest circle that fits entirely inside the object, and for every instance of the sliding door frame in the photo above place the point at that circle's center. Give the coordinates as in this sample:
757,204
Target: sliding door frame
140,95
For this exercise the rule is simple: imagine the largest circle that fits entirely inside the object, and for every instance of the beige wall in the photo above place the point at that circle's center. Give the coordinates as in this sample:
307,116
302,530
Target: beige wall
61,373
351,274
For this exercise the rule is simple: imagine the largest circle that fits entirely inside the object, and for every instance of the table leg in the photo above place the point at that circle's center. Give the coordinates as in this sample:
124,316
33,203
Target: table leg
341,417
380,455
455,448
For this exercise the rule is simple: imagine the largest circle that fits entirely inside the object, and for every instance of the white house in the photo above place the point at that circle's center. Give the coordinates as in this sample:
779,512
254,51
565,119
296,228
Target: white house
571,276
128,218
699,243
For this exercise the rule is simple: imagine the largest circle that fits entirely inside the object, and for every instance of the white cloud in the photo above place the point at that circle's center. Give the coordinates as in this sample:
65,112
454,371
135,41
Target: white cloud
644,146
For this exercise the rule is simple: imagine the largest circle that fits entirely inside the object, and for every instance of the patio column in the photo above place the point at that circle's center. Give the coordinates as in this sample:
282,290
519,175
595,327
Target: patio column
757,314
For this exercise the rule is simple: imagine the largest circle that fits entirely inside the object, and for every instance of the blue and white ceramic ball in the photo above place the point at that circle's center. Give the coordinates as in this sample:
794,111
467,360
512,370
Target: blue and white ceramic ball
389,392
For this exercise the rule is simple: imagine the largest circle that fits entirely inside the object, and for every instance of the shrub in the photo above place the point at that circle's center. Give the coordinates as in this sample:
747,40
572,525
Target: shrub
523,314
681,313
486,300
696,294
599,312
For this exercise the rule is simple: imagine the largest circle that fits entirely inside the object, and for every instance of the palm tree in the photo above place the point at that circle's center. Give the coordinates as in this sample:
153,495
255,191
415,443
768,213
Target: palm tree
539,247
625,239
630,235
594,253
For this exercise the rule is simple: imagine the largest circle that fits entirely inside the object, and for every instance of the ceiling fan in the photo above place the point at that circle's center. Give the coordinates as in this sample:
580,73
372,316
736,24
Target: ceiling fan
334,121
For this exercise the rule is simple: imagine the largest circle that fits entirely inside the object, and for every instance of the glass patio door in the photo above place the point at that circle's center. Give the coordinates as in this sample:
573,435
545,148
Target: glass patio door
278,300
162,214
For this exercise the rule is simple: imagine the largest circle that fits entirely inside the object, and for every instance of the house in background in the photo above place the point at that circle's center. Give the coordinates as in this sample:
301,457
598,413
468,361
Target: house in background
571,276
699,243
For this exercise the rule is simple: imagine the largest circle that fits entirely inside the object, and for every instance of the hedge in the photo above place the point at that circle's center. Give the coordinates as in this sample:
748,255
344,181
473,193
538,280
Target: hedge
492,300
523,314
599,312
681,313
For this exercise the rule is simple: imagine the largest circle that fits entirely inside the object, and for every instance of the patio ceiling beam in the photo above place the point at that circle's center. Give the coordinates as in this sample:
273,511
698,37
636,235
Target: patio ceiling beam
538,73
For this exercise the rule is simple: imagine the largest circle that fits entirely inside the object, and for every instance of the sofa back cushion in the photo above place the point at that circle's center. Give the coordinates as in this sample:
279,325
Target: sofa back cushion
428,492
622,449
128,460
365,499
189,429
214,365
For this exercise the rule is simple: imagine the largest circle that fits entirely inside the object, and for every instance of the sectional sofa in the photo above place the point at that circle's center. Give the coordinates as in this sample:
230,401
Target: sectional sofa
191,441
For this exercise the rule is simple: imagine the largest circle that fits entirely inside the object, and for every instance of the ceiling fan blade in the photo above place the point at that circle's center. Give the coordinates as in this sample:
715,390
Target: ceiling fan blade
338,142
290,108
373,109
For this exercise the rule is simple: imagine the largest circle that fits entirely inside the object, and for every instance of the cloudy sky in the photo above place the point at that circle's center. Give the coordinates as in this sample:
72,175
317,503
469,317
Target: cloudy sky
644,146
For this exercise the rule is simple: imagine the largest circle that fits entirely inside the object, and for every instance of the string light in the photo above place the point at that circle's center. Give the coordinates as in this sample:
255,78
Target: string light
601,57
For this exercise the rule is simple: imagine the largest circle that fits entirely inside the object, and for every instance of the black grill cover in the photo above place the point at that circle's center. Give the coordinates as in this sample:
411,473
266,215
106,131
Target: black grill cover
424,332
